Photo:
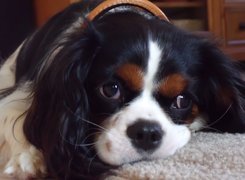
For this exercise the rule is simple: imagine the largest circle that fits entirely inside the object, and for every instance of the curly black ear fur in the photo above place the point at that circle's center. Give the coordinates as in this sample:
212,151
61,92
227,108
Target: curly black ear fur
221,90
57,121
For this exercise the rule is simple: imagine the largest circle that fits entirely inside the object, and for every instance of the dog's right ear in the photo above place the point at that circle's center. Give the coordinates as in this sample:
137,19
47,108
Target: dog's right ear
57,59
43,40
57,121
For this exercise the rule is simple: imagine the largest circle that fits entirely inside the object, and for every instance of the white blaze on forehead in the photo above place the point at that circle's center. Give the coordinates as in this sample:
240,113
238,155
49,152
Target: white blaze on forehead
152,67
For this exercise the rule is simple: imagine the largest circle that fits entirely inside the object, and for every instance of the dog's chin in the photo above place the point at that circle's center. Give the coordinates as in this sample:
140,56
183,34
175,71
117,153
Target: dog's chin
142,156
114,154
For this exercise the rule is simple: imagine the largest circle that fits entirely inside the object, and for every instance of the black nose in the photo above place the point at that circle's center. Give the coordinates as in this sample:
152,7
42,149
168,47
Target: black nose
145,135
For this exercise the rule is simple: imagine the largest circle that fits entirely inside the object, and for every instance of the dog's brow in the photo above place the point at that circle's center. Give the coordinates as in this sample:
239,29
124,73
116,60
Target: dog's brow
132,75
172,85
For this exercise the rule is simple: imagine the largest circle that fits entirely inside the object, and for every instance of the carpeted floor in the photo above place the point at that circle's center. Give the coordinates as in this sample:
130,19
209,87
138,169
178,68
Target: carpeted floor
208,156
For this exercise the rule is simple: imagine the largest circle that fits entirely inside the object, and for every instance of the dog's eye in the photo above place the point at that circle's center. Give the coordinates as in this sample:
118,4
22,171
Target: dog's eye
110,90
181,102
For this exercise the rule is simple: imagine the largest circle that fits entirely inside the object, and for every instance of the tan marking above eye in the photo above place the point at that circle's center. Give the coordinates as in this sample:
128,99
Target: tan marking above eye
132,75
172,85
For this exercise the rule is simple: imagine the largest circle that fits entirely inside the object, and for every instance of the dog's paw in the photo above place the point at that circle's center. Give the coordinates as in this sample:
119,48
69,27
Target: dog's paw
25,165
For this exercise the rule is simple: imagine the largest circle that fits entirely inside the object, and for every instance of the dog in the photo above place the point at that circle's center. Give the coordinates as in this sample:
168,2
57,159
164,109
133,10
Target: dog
88,92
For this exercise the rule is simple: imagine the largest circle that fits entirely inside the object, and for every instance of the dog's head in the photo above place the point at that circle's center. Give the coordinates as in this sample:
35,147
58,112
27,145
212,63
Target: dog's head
123,88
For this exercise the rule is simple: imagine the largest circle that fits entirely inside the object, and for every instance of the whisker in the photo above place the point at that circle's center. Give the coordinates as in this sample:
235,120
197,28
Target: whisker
84,140
90,161
208,125
78,144
87,121
98,128
84,145
94,124
214,129
103,114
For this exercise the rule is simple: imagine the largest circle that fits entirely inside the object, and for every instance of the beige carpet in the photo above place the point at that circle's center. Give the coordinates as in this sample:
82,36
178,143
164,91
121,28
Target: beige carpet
207,156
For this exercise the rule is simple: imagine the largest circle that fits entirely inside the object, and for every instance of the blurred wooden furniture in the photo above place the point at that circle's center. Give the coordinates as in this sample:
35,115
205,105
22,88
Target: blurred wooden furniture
224,19
44,9
228,23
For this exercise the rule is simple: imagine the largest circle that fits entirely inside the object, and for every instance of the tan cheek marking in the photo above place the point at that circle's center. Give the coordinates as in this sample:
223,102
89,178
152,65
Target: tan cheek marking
108,146
105,125
172,85
194,113
131,74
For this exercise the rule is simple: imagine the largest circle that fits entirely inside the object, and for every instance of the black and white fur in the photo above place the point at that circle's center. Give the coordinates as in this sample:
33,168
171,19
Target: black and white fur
65,112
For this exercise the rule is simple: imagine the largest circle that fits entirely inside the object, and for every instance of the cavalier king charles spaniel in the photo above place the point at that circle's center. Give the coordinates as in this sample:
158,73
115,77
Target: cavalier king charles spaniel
104,83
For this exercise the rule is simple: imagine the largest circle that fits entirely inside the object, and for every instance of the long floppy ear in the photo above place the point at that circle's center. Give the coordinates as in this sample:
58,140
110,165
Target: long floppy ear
58,119
221,90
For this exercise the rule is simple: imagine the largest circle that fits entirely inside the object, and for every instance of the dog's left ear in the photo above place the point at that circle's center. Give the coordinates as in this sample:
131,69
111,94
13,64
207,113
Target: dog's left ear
220,90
